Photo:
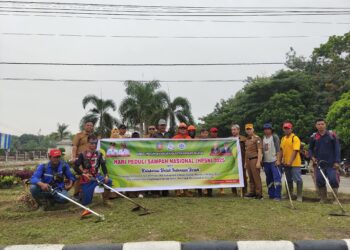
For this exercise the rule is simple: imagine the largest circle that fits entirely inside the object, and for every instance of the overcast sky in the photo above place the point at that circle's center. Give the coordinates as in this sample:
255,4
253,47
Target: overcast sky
29,106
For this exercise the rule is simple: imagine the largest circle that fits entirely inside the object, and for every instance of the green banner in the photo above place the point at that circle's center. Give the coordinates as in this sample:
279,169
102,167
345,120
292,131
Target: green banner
165,164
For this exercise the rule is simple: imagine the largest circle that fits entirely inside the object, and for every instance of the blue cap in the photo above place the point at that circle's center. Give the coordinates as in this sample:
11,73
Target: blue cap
267,126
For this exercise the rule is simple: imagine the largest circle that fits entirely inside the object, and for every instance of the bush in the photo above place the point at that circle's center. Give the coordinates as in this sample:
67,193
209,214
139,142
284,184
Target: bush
21,174
8,181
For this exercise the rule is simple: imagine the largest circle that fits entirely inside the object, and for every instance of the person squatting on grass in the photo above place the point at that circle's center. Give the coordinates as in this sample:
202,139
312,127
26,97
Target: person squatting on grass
271,149
87,166
291,160
51,174
324,149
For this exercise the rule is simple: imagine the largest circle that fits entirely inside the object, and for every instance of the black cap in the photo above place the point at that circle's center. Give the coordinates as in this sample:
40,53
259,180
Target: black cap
122,126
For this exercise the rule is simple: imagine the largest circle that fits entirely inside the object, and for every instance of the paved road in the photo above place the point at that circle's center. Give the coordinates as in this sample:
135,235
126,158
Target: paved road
344,183
309,184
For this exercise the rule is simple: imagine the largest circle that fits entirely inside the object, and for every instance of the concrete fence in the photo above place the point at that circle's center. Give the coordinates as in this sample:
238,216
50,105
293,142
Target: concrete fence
23,156
204,245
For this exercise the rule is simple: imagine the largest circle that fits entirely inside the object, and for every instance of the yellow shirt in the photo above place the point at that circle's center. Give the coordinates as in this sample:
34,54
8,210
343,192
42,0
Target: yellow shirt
288,145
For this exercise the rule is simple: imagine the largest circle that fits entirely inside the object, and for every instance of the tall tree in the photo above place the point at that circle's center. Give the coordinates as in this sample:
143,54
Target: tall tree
141,104
61,132
338,118
177,110
99,114
145,105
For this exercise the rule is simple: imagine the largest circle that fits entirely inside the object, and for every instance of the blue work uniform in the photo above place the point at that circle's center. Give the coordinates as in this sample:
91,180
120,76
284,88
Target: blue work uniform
46,173
326,148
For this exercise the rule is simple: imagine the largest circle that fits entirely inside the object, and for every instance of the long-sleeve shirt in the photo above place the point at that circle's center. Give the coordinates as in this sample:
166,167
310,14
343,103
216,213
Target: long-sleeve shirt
95,160
46,173
325,147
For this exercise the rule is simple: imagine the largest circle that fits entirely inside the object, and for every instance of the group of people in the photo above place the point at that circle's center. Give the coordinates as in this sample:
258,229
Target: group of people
277,157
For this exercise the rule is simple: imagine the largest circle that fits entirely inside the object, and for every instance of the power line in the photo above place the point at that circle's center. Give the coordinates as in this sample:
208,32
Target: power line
112,80
178,20
156,36
140,64
162,11
176,15
166,6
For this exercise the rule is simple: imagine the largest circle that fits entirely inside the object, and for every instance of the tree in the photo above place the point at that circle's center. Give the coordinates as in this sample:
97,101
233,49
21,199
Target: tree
142,103
145,105
61,132
285,95
99,114
178,110
338,118
302,93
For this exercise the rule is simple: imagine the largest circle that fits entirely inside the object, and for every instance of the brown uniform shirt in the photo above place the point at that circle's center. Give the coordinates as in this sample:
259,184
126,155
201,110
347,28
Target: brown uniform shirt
252,144
242,140
80,140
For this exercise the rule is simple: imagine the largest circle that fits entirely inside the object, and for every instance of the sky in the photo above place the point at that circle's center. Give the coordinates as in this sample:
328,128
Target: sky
31,106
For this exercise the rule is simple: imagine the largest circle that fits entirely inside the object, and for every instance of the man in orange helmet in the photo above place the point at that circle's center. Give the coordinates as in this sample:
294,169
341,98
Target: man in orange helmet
192,131
182,134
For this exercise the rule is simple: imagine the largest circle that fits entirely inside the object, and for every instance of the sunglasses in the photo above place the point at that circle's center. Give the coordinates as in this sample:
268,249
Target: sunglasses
93,142
182,128
151,129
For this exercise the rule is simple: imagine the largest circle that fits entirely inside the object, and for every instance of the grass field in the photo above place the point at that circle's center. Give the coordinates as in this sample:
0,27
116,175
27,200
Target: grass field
182,219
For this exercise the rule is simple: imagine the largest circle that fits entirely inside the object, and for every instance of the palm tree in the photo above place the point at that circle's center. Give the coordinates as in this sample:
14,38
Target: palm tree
145,105
61,132
140,107
178,110
99,114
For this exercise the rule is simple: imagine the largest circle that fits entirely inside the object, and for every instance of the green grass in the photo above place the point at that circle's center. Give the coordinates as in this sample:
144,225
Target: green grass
182,219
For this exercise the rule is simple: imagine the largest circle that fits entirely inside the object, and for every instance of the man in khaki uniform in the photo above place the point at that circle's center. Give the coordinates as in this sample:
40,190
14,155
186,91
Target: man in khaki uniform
80,141
253,157
81,144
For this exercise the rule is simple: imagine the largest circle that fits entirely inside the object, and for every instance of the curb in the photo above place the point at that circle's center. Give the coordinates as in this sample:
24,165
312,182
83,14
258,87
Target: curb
200,245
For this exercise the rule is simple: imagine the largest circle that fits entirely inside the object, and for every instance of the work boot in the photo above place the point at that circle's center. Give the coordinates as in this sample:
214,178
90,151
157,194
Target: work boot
84,214
300,192
250,196
323,194
234,192
188,193
335,190
178,193
105,197
210,192
43,204
290,186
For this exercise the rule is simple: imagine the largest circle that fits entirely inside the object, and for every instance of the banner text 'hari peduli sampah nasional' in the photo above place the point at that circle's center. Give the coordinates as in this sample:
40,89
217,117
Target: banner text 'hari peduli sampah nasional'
165,164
